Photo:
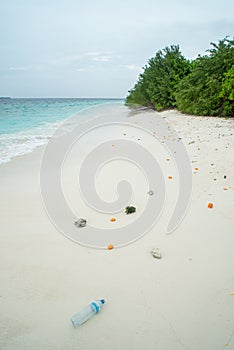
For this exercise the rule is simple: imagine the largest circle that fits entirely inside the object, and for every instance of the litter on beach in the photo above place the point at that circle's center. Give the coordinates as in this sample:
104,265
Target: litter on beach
130,210
80,223
156,253
87,312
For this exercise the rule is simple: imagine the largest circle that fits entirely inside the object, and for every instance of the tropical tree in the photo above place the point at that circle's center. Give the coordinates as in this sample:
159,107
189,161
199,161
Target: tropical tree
207,89
157,84
227,92
204,86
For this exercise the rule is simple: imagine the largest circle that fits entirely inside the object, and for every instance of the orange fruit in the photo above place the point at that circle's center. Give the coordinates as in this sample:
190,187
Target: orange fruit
113,219
210,205
169,177
110,246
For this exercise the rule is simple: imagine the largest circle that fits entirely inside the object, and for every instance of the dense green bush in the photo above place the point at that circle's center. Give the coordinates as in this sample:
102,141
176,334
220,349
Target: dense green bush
207,89
203,86
157,84
227,92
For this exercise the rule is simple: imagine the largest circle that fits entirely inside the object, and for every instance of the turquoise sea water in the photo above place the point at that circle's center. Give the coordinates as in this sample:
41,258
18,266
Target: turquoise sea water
28,123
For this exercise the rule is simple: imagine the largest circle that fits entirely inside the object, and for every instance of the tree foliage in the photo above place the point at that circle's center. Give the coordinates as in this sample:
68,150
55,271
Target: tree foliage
156,85
203,87
227,92
207,89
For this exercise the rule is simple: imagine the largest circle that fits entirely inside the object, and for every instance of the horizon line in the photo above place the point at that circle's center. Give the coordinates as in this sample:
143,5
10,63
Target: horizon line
88,98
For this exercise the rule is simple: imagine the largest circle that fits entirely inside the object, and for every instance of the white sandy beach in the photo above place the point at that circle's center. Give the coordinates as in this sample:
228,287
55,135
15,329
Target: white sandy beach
182,301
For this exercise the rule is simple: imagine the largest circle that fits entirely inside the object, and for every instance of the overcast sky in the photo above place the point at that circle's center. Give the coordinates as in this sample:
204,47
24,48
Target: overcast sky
83,48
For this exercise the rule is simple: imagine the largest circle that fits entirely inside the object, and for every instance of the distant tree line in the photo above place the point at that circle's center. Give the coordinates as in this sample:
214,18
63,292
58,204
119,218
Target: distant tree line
204,86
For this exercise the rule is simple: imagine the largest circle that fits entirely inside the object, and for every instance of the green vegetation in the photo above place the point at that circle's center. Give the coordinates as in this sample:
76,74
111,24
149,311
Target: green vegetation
204,86
156,86
130,210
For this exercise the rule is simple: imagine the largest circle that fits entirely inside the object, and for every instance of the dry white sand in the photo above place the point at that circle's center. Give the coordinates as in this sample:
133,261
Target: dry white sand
183,301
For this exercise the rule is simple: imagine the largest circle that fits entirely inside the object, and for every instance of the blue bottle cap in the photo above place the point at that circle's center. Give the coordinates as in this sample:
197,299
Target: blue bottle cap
102,301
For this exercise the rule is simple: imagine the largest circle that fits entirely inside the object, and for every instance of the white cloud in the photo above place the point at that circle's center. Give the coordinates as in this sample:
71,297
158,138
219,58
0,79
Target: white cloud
102,58
99,56
18,68
94,53
32,67
82,70
132,67
67,59
98,53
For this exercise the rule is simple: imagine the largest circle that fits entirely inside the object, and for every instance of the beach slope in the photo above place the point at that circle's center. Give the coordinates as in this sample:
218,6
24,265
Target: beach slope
182,301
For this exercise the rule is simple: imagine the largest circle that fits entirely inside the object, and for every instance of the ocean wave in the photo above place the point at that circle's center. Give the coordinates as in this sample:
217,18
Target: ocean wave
24,142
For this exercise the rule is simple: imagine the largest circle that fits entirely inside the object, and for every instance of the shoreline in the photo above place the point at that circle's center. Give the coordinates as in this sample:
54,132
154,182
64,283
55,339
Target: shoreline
22,132
182,298
131,112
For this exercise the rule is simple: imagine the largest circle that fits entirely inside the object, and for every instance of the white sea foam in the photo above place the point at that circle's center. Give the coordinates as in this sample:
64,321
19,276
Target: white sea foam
23,142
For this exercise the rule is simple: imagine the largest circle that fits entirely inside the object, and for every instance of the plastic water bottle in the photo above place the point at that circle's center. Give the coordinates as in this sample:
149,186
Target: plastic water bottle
87,312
